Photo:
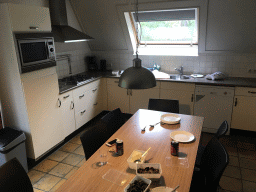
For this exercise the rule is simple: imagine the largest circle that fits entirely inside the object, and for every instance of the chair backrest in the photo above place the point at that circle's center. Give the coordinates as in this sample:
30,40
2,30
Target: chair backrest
222,129
213,163
165,105
94,137
113,120
13,177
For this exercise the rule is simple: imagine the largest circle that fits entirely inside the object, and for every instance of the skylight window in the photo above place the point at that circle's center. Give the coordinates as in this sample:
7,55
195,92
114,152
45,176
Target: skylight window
163,30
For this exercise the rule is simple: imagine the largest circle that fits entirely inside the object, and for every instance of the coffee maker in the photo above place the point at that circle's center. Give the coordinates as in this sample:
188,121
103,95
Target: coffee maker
91,63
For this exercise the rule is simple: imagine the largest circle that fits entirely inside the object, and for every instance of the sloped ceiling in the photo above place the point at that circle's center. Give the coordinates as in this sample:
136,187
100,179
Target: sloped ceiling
100,19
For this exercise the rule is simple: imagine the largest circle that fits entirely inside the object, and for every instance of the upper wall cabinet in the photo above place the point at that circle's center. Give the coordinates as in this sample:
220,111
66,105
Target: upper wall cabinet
29,18
231,26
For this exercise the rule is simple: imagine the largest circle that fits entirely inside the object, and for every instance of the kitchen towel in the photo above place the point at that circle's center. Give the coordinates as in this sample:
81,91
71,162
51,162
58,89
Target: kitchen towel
216,76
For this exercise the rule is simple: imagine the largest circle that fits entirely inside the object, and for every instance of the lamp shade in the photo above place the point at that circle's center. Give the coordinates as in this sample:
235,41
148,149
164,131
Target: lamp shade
137,77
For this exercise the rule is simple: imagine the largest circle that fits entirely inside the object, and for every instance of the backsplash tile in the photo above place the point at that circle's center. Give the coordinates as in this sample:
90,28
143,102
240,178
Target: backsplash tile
232,65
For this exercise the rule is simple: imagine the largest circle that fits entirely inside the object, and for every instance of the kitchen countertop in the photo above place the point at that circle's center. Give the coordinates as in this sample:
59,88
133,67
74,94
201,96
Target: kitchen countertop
230,81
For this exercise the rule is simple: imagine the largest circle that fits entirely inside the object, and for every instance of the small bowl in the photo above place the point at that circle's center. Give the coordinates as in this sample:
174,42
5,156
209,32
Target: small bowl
147,175
137,178
132,165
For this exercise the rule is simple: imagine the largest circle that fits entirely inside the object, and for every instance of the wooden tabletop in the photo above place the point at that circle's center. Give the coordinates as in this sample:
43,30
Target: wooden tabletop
89,176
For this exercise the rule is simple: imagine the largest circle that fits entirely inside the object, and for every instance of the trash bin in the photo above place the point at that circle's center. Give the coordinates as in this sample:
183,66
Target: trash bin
12,144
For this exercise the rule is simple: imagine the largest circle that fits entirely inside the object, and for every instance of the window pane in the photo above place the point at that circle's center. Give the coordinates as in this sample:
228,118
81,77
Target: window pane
169,31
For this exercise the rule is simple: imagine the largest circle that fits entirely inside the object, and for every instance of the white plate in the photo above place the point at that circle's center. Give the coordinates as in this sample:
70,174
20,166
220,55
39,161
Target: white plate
170,118
182,136
197,75
162,189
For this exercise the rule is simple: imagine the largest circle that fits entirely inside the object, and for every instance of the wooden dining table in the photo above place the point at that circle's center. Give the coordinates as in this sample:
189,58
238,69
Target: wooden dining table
89,177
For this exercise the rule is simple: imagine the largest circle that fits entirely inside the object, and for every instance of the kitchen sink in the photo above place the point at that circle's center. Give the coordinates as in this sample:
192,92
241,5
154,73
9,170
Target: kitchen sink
179,77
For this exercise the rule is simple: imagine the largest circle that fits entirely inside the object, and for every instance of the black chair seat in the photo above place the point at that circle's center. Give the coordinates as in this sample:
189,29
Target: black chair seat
200,151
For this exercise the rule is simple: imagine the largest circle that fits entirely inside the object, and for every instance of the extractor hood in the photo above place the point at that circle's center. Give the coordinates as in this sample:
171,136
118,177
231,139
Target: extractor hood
60,29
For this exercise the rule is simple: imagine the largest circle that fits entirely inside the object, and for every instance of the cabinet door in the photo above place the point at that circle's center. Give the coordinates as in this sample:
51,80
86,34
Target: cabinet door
68,113
186,99
139,98
243,116
43,106
118,98
29,18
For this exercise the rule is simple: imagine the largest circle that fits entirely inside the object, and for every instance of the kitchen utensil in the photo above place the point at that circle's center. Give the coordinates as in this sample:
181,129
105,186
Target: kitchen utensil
175,188
139,160
182,136
155,124
135,155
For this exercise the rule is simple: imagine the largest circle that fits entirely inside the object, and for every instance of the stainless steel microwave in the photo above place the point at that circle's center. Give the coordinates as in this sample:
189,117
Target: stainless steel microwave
35,53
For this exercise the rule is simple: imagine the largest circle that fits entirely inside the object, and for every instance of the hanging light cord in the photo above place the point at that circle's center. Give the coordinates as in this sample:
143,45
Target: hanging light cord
137,23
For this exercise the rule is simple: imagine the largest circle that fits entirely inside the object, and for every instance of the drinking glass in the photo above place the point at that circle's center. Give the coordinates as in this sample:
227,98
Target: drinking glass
103,156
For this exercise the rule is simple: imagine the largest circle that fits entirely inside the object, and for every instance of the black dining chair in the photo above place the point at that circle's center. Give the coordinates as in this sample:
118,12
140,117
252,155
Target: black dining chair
220,133
166,105
13,177
94,137
215,159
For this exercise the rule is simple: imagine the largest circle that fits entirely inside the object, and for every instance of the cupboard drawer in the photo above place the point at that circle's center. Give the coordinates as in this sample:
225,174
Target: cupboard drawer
80,90
82,117
245,91
115,81
178,86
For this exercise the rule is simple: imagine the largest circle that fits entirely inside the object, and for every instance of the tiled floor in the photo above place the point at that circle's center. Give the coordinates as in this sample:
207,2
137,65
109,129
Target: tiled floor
239,176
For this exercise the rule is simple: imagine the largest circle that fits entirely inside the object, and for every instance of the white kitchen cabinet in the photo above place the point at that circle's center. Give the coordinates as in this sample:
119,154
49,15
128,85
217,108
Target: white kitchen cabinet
184,92
67,113
41,92
26,18
244,113
87,102
139,98
117,97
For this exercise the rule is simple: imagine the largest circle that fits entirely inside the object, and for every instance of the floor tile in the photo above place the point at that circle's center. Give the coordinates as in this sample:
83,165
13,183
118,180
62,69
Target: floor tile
76,140
69,147
35,176
46,165
58,155
231,171
58,185
249,175
79,150
248,163
71,172
247,153
61,170
231,184
73,159
233,161
81,163
249,186
47,182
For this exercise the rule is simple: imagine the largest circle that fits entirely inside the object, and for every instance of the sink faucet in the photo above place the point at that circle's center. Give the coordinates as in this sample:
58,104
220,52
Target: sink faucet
180,70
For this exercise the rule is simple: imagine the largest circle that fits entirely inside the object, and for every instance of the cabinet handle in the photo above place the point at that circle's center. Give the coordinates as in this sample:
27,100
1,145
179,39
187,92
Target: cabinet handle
65,97
94,90
130,92
73,105
95,103
116,81
192,98
236,102
127,91
59,101
252,92
81,96
82,112
31,27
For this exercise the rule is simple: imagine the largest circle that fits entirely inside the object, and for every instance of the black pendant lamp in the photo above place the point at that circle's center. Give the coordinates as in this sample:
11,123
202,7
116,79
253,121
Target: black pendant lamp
137,77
